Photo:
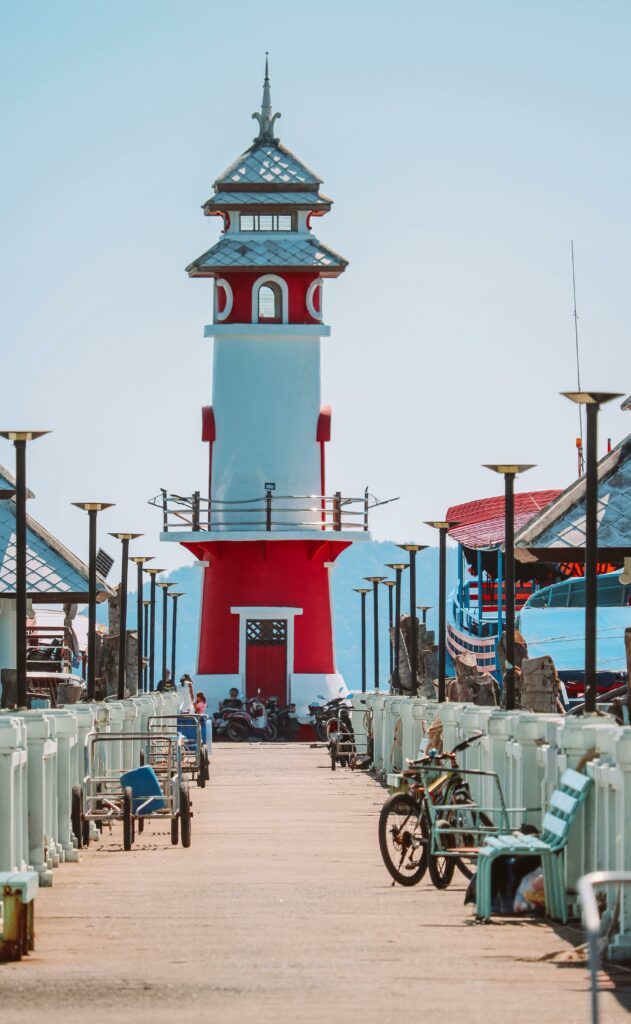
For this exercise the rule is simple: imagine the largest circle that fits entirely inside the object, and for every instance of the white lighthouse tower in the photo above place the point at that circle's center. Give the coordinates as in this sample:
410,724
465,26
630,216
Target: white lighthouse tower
268,532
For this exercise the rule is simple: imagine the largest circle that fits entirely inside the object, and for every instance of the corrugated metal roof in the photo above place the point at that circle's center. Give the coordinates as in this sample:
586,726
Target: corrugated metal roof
562,524
307,199
268,162
50,566
481,522
288,251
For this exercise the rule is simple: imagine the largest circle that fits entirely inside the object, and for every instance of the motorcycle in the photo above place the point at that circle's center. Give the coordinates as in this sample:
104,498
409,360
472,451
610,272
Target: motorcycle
284,718
322,714
247,722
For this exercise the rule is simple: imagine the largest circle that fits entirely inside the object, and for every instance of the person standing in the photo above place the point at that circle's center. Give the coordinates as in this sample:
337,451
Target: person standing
186,695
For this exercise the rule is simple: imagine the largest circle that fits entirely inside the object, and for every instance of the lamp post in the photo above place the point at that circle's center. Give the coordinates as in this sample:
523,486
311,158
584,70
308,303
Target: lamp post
145,646
124,538
92,508
413,550
398,568
363,591
375,580
390,584
592,400
20,439
443,526
423,609
152,573
139,561
174,594
509,472
165,590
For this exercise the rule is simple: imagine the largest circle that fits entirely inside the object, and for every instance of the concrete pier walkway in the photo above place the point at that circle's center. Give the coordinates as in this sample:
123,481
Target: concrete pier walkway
281,911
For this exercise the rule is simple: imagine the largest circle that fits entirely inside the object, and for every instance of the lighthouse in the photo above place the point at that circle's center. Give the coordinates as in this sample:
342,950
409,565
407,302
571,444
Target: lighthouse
267,535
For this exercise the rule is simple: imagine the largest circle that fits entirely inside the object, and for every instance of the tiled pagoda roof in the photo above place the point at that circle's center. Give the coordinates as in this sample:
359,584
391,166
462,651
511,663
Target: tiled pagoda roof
287,251
267,163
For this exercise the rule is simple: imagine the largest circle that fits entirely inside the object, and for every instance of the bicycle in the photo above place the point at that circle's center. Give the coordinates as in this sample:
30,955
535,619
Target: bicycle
406,824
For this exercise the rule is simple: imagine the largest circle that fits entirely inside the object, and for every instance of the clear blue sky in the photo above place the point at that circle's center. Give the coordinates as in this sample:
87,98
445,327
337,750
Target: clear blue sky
464,144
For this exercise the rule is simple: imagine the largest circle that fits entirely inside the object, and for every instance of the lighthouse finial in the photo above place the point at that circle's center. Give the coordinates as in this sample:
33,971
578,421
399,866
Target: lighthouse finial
266,119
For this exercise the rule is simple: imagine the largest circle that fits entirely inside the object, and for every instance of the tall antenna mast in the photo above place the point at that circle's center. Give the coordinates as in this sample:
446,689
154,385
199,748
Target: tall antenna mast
579,446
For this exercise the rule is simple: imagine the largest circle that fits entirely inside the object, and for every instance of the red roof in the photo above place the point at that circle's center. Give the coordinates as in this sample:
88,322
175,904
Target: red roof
481,523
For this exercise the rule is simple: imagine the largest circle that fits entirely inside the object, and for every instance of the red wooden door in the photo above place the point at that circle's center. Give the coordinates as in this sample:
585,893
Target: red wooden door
266,659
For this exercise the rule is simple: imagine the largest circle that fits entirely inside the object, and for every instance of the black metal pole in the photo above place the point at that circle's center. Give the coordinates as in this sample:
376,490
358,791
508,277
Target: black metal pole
413,624
509,546
442,605
173,637
165,591
122,633
92,514
363,629
145,651
20,570
152,634
376,632
140,628
397,632
591,554
390,637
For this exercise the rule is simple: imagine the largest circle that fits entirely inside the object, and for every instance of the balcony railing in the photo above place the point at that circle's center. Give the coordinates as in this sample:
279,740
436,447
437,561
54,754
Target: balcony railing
267,513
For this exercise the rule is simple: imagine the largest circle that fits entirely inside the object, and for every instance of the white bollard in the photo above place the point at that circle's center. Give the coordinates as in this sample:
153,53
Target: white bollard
42,750
12,760
67,739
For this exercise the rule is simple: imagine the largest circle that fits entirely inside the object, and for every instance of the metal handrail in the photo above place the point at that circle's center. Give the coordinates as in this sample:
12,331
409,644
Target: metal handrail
332,511
591,921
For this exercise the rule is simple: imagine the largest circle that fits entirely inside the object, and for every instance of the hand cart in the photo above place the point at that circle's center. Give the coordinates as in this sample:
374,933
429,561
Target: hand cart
156,790
192,729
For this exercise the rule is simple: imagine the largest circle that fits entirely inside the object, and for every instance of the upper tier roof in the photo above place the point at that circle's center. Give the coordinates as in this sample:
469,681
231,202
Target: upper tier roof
267,163
287,251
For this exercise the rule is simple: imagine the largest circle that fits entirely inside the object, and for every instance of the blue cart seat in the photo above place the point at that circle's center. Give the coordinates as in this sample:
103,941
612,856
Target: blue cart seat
144,784
187,727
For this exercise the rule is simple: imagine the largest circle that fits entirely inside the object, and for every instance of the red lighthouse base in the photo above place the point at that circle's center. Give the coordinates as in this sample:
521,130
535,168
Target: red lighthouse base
266,619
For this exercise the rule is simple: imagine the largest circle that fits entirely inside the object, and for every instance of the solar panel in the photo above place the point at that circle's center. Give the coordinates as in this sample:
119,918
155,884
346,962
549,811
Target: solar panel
104,563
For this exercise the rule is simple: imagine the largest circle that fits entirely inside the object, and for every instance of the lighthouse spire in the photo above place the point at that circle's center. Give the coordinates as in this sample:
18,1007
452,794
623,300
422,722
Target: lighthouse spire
266,119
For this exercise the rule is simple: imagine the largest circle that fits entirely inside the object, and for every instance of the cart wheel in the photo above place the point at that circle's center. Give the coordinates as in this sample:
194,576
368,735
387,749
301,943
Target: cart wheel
175,831
142,758
201,774
141,824
85,828
128,821
332,756
76,815
206,765
185,815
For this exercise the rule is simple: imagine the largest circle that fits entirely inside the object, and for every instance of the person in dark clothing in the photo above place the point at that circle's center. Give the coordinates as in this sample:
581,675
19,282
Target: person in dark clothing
166,685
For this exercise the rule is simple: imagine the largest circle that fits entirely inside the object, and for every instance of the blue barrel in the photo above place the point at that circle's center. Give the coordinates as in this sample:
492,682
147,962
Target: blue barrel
144,783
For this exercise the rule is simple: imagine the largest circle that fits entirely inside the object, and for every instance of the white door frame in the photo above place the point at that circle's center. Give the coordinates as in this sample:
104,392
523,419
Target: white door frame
266,612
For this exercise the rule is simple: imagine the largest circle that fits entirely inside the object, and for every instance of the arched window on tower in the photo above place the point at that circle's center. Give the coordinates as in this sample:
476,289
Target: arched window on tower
270,305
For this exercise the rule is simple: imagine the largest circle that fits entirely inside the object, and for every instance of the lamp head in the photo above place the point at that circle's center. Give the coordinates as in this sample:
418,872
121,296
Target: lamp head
508,469
389,583
441,524
93,506
176,593
125,536
397,565
23,435
153,571
165,585
374,579
412,547
141,559
361,590
591,397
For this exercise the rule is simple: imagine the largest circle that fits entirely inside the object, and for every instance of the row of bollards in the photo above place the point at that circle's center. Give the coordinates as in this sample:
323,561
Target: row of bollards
592,402
146,644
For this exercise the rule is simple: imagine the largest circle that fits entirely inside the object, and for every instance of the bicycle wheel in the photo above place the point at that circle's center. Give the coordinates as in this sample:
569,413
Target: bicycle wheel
403,838
441,870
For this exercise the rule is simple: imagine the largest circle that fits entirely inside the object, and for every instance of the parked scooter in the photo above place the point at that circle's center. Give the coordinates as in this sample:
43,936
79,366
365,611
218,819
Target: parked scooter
322,714
246,723
284,718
